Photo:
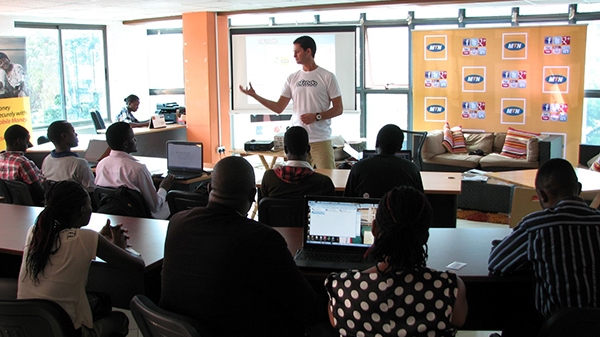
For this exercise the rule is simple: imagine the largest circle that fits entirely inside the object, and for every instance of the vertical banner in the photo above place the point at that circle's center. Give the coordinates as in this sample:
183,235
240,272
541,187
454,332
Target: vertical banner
14,97
528,78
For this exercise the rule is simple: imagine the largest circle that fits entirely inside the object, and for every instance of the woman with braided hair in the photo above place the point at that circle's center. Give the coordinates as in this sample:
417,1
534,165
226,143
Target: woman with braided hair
400,295
58,254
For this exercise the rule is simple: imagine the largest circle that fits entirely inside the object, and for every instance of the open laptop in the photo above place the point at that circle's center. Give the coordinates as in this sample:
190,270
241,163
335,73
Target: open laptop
97,149
406,154
337,232
184,159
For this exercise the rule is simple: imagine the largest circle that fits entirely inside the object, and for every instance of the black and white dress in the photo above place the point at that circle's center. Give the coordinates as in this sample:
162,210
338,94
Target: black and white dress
416,302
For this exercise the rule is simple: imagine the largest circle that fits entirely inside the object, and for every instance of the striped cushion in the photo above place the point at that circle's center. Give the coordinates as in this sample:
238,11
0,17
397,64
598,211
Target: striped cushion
515,145
447,141
458,140
596,165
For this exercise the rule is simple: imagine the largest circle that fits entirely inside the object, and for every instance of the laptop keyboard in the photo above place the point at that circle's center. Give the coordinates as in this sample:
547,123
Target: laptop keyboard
312,255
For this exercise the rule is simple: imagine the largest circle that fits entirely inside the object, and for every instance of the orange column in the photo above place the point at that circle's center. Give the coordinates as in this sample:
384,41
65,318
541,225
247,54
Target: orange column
204,45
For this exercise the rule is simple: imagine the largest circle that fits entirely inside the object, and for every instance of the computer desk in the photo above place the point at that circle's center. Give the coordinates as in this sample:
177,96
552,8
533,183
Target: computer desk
441,188
147,236
150,142
491,299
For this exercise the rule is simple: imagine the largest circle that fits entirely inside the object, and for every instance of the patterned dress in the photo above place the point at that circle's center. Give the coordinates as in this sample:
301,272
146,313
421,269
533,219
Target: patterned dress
415,302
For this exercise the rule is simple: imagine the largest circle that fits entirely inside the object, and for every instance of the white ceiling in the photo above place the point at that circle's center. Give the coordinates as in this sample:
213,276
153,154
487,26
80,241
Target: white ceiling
124,10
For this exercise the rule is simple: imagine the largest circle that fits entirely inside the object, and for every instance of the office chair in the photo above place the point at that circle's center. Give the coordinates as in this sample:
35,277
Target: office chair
19,192
277,212
4,192
34,318
417,138
154,321
97,119
182,200
580,322
120,201
42,140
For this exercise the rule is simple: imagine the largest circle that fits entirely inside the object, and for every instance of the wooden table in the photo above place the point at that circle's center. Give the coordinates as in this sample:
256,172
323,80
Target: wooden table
491,299
590,181
441,188
261,155
150,142
147,236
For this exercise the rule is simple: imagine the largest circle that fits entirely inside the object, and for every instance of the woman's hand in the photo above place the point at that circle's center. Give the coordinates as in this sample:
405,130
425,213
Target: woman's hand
115,234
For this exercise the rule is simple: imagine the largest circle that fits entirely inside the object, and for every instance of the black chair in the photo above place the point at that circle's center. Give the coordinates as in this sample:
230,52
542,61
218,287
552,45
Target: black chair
34,318
4,193
182,200
277,212
120,201
97,119
417,139
42,140
580,322
154,321
19,192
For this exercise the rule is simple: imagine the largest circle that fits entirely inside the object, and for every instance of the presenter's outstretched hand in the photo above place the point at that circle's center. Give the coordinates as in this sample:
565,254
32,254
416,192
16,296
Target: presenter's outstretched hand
248,91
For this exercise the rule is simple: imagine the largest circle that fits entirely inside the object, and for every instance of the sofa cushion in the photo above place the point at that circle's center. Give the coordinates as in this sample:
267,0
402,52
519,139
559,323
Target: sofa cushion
447,141
594,159
515,144
499,138
433,144
596,164
454,159
498,160
533,149
458,140
479,141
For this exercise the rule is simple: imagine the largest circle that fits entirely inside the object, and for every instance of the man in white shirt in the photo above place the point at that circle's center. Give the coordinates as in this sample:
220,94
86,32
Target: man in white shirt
120,168
317,99
61,163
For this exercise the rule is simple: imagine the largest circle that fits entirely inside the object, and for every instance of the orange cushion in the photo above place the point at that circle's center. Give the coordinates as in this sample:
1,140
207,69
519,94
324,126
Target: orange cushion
458,140
515,145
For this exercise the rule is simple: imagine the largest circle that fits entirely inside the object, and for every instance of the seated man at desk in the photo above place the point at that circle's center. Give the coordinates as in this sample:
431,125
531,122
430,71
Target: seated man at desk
233,275
121,168
61,163
560,244
15,166
375,176
297,178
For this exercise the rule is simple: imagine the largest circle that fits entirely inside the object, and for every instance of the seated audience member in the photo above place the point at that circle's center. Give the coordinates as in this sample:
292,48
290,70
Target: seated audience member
61,163
126,114
373,177
297,178
58,254
399,296
560,244
232,274
120,168
15,166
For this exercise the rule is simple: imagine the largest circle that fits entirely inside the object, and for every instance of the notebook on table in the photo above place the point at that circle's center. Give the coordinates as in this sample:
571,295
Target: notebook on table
337,232
185,159
406,154
97,149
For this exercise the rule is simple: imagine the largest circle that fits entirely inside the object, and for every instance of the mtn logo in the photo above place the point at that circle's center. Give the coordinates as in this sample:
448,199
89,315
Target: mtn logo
556,79
514,45
435,109
436,47
513,111
474,79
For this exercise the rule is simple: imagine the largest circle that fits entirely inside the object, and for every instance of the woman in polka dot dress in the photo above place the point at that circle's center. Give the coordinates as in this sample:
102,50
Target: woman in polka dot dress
399,296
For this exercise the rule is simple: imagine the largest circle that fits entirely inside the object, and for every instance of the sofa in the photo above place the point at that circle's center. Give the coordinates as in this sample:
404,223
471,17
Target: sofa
434,157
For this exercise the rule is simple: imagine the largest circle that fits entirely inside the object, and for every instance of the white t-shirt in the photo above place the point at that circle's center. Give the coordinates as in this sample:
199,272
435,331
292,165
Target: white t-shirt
312,92
69,168
65,276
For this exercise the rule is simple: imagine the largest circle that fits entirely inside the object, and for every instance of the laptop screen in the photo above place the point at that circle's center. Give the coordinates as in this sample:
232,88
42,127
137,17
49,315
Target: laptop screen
406,154
337,221
184,156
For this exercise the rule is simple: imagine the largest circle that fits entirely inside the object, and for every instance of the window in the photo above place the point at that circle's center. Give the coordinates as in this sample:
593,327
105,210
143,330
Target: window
66,70
386,55
165,70
385,109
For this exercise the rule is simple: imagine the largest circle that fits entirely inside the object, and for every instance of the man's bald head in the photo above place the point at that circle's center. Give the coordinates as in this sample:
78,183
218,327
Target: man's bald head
233,182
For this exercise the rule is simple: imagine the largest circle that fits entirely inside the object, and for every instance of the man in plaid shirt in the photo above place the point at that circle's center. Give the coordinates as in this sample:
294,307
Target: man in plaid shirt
15,166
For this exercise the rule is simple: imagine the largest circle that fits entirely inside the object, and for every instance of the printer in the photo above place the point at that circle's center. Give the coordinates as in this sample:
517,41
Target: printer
169,110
